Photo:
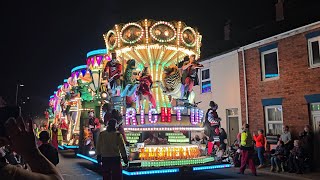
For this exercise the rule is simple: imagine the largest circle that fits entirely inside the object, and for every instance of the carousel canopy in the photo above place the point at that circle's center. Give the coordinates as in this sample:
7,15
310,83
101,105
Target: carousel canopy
150,42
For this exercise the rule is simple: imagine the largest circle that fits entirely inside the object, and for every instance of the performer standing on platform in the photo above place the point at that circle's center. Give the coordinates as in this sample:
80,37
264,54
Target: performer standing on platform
190,74
113,70
144,88
212,121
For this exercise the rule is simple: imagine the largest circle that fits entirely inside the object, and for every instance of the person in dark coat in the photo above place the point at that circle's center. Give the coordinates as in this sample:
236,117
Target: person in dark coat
306,140
296,158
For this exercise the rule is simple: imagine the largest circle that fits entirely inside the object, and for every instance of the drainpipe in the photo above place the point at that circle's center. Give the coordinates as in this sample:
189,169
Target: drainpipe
245,85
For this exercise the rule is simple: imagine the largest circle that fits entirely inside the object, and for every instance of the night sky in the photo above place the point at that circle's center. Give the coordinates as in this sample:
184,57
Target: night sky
43,40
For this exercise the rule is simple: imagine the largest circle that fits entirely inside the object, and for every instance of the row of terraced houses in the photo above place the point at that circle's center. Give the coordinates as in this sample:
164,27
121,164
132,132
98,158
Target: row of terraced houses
267,84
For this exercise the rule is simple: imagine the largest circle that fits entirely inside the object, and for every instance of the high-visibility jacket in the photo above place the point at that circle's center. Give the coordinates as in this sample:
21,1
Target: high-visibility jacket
246,139
60,138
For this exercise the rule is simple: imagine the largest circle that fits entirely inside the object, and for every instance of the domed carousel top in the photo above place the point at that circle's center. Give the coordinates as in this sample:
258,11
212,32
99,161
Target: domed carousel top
153,42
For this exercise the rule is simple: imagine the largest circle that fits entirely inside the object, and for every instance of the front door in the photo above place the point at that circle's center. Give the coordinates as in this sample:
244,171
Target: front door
316,130
233,129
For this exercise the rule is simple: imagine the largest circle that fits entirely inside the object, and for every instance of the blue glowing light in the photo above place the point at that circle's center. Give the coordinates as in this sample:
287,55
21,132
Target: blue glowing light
70,147
61,147
59,86
271,75
65,80
78,68
220,166
52,96
96,52
54,92
206,85
87,158
158,171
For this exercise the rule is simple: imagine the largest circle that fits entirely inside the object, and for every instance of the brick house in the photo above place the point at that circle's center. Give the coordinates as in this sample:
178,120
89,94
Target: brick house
280,81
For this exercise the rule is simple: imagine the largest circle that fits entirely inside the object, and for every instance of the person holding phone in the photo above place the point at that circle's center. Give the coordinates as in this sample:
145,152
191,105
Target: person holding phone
21,138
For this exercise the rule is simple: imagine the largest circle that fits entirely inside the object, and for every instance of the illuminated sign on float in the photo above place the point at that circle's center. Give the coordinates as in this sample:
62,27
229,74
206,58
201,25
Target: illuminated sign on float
195,115
155,116
178,109
165,114
142,120
131,113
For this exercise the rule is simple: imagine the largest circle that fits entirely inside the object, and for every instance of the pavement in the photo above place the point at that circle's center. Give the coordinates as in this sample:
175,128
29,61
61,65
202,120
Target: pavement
73,168
305,176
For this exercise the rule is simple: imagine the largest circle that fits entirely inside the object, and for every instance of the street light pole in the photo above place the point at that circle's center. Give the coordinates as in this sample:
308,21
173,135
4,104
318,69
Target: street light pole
17,91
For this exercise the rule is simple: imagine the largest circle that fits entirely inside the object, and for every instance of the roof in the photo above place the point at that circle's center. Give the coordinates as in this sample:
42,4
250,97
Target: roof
297,14
283,35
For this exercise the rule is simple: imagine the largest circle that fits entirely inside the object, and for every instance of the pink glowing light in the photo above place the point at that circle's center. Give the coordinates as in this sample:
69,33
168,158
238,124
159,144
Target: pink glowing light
153,119
131,114
142,119
178,109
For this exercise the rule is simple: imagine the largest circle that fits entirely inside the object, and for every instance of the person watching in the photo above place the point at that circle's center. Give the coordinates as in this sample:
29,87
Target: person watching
286,138
50,152
247,150
109,148
22,140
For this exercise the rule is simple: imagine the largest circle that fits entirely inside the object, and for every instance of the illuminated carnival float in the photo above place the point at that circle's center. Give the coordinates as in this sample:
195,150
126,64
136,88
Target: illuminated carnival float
141,76
66,107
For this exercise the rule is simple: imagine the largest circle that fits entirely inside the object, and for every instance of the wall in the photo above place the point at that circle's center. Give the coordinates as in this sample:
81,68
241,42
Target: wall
296,80
225,89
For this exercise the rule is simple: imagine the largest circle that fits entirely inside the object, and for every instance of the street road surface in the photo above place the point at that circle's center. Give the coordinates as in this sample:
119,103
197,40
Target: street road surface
73,168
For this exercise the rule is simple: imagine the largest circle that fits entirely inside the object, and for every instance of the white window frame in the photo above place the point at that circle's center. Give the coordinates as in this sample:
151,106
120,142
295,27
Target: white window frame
267,122
310,41
263,64
205,80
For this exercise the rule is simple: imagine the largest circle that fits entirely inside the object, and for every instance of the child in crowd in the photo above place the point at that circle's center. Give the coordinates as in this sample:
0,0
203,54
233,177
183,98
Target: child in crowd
260,142
277,157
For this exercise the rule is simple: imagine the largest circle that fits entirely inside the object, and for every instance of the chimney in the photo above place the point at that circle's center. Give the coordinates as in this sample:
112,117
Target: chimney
227,30
279,10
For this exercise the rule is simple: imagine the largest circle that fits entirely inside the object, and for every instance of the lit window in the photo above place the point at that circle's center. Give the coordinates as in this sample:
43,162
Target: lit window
314,51
274,119
205,81
270,64
315,107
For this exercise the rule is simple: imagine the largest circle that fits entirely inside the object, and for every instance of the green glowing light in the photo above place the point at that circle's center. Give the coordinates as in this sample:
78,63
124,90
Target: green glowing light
176,162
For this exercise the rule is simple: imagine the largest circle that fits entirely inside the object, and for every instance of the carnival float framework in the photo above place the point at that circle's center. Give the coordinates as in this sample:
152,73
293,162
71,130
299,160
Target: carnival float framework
150,47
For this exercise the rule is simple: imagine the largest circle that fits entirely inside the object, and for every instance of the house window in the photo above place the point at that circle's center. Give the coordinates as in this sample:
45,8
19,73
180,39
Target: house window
274,119
315,107
205,81
270,64
314,51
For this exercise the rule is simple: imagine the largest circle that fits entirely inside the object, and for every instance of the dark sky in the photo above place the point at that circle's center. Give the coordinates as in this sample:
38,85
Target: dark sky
43,40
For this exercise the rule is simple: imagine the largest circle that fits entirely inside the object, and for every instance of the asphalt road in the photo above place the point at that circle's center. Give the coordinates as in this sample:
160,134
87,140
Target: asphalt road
73,168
